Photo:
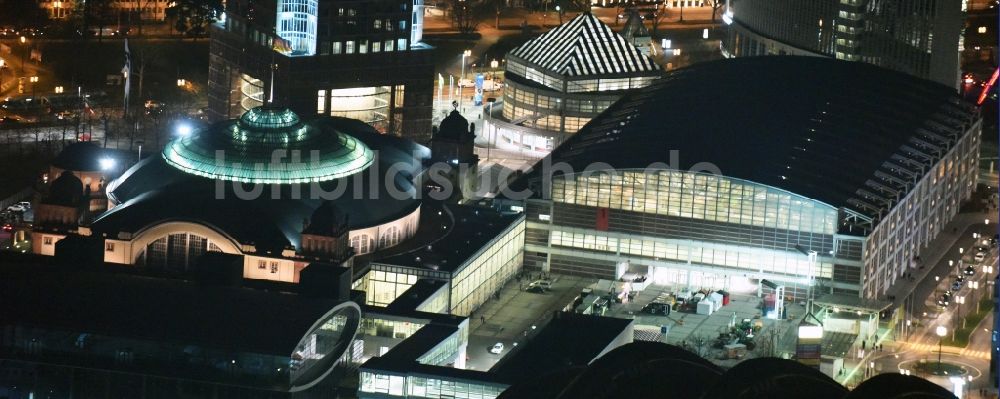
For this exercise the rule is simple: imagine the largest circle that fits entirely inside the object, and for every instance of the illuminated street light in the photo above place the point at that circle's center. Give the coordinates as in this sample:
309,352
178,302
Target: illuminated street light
961,250
704,33
941,331
181,82
59,89
23,39
107,163
184,129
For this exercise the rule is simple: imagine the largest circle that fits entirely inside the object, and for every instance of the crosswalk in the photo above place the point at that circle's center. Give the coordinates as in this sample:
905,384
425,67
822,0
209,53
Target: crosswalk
963,352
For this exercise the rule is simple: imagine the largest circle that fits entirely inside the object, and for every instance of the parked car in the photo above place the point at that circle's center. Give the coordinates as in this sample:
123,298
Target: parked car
960,278
944,299
969,270
496,348
17,208
8,227
956,286
980,256
535,289
545,284
656,308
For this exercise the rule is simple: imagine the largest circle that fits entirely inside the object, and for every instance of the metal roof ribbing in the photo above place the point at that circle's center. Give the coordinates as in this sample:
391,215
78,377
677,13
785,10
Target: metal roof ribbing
584,46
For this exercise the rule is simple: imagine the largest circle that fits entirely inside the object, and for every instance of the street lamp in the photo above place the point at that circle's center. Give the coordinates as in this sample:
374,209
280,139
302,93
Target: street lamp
466,53
33,80
184,130
106,163
941,331
24,54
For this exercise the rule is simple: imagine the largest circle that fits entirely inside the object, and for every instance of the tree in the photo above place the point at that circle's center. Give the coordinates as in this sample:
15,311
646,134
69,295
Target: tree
191,17
716,5
462,16
93,13
699,344
23,14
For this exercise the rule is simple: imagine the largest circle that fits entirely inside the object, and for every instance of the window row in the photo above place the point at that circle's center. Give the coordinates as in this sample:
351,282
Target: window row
698,196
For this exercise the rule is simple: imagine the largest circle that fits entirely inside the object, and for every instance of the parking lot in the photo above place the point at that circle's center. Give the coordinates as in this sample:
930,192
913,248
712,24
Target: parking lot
509,319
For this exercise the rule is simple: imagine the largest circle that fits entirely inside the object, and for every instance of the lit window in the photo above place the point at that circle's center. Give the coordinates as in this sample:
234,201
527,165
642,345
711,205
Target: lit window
321,102
377,24
982,29
261,264
350,47
400,44
109,247
376,47
363,47
47,240
336,48
388,45
274,267
402,25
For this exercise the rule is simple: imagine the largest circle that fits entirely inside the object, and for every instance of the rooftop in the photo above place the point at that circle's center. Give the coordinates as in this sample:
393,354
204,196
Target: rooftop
551,350
153,191
474,228
85,156
416,294
584,46
156,309
269,145
857,146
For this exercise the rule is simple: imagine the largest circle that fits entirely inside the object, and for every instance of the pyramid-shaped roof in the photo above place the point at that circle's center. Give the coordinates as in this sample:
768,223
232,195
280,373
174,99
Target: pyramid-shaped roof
584,46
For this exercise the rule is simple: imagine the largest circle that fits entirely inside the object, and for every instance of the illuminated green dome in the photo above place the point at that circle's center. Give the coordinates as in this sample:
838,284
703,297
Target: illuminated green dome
269,145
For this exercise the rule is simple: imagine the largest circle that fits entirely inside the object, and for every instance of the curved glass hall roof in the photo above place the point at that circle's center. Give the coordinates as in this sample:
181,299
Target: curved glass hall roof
270,146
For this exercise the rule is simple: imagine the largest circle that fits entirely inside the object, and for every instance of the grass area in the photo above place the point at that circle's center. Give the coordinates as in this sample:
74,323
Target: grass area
972,320
936,368
90,62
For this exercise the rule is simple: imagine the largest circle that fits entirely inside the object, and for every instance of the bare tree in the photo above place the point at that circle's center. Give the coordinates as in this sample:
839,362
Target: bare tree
700,343
462,16
716,5
767,343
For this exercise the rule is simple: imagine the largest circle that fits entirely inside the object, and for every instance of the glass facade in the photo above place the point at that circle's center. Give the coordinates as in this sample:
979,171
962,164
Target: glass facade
251,91
417,386
296,23
898,35
319,351
697,196
473,284
693,229
367,104
255,139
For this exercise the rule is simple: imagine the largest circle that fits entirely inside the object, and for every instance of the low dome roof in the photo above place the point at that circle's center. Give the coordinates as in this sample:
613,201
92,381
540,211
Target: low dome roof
269,145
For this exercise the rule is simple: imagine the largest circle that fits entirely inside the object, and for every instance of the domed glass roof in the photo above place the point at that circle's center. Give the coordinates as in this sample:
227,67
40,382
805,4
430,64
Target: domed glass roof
271,146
